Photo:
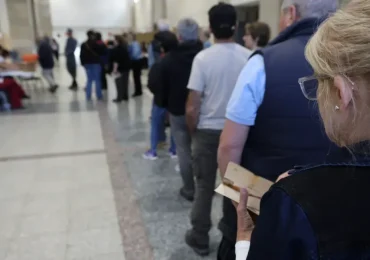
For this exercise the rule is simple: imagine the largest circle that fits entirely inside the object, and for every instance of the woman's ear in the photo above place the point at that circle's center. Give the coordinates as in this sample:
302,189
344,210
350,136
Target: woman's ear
344,92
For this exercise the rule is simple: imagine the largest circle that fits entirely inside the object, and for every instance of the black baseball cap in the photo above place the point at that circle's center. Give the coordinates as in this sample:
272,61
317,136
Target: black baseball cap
222,20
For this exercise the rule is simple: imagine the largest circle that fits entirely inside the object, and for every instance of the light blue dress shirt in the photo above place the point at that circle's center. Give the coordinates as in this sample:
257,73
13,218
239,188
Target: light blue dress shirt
151,58
135,51
248,93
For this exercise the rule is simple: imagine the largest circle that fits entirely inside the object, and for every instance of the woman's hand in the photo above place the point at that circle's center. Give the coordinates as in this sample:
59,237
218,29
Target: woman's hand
284,175
245,222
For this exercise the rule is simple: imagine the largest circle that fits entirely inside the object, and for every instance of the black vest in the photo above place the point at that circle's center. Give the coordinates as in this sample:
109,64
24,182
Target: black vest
335,200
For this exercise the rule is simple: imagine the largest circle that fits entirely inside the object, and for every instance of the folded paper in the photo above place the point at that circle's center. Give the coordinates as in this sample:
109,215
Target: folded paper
238,177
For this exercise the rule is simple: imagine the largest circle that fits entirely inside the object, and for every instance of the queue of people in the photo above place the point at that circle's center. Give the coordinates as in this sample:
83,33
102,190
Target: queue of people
257,107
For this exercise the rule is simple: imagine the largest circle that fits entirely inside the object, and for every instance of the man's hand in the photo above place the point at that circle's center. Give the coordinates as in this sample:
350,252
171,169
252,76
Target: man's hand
245,222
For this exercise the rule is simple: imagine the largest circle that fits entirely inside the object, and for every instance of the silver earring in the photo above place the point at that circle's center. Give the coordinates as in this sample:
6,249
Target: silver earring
336,108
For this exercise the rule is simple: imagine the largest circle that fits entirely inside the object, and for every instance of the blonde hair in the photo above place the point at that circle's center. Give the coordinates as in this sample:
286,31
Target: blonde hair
341,46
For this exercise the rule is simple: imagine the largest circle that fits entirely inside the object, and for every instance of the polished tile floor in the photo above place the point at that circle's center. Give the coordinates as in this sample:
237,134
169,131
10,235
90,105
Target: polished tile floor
73,184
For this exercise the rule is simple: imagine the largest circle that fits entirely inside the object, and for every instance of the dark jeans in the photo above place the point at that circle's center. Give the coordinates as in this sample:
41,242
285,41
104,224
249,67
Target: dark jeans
104,83
122,85
136,69
182,139
205,146
72,69
226,250
93,72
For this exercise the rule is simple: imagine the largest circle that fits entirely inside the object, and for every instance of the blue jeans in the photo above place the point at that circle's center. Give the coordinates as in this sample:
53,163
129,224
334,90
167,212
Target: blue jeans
93,72
157,129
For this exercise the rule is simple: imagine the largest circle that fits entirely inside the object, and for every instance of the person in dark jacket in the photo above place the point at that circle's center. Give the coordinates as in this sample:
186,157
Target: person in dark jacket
104,60
91,52
270,127
69,51
120,62
46,60
164,42
322,211
136,64
173,92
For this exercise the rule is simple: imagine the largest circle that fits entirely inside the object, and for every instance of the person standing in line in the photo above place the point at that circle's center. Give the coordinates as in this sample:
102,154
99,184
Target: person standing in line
271,127
174,73
90,56
104,60
69,51
120,60
46,60
214,74
257,35
136,55
164,41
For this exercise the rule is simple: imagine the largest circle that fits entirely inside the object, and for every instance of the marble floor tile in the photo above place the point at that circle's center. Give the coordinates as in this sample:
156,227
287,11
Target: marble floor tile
46,204
91,243
12,207
91,197
104,216
44,247
46,223
14,190
113,256
4,247
9,226
54,133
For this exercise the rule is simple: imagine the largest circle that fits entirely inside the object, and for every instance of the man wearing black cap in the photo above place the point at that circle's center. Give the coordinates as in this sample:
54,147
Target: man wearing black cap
214,73
70,49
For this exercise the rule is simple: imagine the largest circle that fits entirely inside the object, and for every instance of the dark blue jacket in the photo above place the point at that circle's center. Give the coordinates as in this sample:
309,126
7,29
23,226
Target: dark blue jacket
288,130
45,52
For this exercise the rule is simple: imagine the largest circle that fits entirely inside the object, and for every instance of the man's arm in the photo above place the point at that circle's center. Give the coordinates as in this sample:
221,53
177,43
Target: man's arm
231,146
193,109
242,112
196,87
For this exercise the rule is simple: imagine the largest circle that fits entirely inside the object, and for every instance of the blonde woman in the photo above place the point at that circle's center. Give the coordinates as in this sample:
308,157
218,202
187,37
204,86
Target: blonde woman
323,212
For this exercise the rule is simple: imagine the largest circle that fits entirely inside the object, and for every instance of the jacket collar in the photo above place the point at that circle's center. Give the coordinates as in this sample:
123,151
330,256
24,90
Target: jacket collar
304,27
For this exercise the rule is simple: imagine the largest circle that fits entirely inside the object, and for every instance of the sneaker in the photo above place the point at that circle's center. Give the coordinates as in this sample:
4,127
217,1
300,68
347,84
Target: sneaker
172,154
191,241
149,155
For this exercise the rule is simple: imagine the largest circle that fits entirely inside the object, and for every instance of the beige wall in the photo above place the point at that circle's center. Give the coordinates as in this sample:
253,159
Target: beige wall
21,21
43,17
196,9
269,12
21,29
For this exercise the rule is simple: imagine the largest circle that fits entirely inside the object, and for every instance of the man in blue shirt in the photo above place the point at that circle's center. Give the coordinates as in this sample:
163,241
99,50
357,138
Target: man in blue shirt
70,49
136,55
270,126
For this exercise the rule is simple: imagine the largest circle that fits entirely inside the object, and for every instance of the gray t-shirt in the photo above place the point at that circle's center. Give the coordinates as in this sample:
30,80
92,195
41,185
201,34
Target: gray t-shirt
214,73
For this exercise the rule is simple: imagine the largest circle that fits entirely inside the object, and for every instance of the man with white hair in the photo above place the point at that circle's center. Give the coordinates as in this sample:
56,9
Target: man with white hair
271,126
173,76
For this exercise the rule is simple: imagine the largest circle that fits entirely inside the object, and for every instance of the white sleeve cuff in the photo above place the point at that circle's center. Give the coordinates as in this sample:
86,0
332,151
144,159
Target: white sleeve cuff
242,250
